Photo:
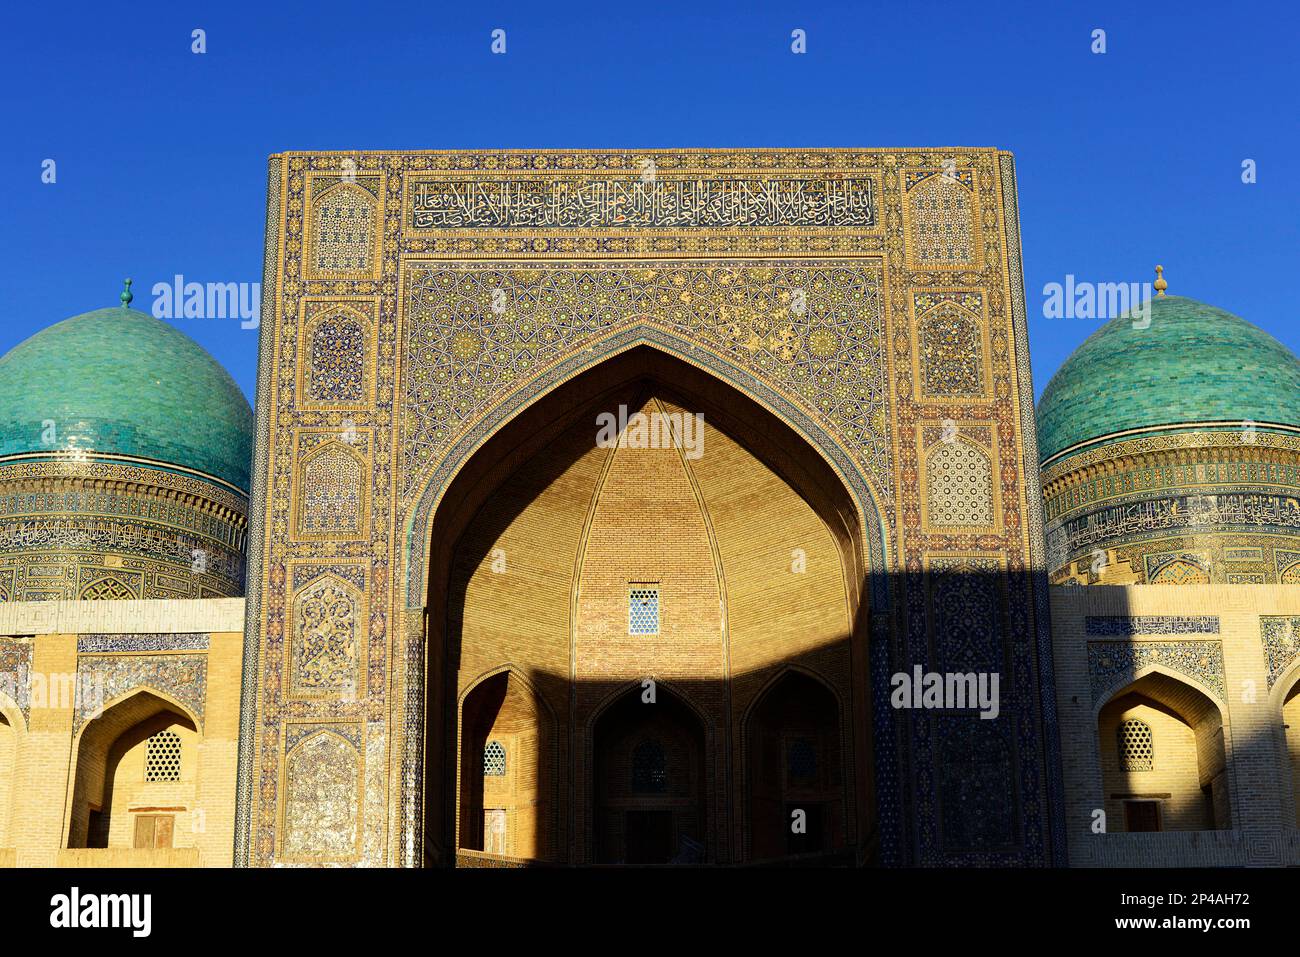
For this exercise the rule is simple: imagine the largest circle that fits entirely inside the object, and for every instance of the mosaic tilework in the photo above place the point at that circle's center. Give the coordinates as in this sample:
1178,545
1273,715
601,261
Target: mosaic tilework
1230,499
331,490
950,345
322,800
326,645
1126,625
941,210
1179,571
337,359
966,604
397,525
343,230
1112,664
1280,635
184,677
977,797
65,524
959,485
814,329
15,668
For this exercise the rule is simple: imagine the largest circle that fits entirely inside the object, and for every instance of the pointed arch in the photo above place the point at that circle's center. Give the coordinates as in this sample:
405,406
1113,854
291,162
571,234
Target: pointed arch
107,748
1155,668
510,810
795,755
654,813
869,519
1176,776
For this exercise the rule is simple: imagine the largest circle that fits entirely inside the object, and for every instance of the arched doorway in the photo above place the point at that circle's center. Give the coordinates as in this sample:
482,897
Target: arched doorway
9,750
1291,738
507,771
649,795
587,565
794,769
134,782
1164,762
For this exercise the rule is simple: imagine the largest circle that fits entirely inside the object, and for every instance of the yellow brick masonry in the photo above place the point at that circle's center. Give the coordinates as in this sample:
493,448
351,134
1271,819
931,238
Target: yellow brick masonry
46,753
1259,775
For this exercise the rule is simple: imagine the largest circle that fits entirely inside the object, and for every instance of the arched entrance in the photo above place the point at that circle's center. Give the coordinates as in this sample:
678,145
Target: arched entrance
507,771
1164,763
1291,739
10,727
649,779
134,783
646,518
795,775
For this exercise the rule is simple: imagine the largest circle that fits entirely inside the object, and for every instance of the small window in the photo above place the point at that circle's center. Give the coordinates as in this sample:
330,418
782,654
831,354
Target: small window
1136,752
802,760
162,757
649,768
643,611
494,759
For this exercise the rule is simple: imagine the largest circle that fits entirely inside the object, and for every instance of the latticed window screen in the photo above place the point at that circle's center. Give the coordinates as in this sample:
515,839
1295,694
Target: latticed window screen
643,611
649,768
1136,752
162,757
802,760
494,759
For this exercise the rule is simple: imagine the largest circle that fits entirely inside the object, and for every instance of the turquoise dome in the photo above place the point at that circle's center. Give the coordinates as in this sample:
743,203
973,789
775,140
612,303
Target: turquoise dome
1193,365
120,381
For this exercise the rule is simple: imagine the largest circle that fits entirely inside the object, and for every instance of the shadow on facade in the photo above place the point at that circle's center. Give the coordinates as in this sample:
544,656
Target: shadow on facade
753,722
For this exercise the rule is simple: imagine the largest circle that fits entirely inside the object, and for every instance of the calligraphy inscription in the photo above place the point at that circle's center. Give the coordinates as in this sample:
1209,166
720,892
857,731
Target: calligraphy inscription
663,203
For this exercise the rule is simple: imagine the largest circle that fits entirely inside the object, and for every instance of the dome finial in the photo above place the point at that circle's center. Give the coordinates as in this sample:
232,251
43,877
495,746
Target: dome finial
126,296
1161,285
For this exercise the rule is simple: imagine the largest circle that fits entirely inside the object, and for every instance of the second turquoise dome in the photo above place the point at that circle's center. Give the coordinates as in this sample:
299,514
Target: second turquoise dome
1195,364
119,381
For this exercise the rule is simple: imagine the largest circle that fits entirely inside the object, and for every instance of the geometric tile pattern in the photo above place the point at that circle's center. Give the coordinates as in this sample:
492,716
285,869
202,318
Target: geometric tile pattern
1115,663
183,677
476,317
1280,635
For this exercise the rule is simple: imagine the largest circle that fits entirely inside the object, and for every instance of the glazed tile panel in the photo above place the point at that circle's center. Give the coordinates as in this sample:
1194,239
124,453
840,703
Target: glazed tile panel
862,296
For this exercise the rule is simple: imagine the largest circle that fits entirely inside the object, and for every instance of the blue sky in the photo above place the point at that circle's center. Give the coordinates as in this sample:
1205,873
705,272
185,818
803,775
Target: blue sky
1124,159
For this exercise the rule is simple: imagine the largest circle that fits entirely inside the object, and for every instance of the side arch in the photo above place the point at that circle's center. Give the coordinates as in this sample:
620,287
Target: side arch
1180,774
105,739
13,734
503,706
788,673
604,834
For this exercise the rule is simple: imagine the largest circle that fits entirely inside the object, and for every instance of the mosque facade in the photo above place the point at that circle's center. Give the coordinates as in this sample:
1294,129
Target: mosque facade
670,507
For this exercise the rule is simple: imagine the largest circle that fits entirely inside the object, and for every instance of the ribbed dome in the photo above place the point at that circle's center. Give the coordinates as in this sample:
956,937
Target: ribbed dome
120,381
1193,364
